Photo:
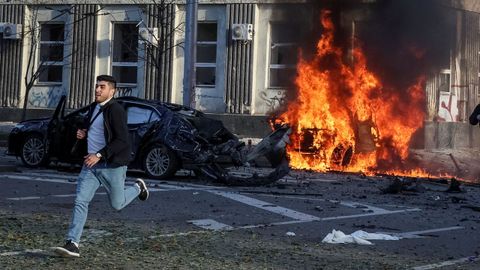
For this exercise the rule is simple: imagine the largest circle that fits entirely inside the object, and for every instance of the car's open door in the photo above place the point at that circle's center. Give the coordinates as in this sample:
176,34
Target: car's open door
54,133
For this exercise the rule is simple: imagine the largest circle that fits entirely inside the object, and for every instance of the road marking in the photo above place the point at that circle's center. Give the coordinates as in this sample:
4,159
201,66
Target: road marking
265,206
299,217
98,193
383,212
51,175
24,198
364,207
210,224
49,196
73,195
26,251
418,234
176,186
447,263
29,178
272,224
177,234
371,210
135,239
67,180
59,175
324,219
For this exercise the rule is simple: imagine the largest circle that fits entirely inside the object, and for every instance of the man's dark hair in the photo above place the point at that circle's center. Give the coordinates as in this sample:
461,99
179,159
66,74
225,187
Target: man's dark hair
107,78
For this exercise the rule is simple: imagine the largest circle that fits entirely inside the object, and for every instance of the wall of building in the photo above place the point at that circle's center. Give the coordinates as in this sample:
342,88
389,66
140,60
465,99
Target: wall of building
158,67
238,89
450,103
86,54
242,87
83,71
10,58
296,21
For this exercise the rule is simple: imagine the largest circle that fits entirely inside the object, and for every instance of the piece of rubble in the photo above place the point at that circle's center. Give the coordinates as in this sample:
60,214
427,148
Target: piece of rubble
401,184
454,186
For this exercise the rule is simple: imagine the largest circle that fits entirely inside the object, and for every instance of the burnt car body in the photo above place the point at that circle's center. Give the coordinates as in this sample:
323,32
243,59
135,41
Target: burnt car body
165,137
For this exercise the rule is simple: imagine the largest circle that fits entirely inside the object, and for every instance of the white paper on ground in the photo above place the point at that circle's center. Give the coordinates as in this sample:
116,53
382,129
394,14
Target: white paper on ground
358,237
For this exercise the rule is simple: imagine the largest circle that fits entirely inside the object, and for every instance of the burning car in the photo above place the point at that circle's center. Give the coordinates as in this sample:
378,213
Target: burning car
165,137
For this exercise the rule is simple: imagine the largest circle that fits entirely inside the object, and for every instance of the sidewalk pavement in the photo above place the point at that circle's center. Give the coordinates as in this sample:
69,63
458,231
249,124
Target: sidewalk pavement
5,128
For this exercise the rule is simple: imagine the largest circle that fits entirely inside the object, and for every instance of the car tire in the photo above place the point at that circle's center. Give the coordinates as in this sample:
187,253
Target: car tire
160,162
33,152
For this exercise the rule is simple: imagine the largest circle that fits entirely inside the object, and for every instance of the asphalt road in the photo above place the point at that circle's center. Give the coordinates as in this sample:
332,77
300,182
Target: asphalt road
437,230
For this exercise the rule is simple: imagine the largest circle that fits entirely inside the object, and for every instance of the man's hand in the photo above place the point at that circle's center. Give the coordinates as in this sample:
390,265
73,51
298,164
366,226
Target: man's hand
81,134
91,160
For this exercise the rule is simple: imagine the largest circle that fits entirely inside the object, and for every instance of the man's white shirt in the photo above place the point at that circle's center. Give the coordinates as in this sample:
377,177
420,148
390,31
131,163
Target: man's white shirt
96,137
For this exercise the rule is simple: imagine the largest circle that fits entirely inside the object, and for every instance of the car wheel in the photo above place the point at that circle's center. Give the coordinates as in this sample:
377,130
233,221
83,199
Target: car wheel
33,152
160,162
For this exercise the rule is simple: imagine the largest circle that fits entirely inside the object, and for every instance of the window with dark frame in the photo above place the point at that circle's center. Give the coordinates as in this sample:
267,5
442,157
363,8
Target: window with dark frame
52,44
283,54
444,76
125,54
444,80
205,64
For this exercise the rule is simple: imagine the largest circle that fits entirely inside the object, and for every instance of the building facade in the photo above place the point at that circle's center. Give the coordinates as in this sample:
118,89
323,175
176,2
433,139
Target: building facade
245,64
59,49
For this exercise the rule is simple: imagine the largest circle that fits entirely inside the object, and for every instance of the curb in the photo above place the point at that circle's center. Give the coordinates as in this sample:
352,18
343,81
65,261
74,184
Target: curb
9,168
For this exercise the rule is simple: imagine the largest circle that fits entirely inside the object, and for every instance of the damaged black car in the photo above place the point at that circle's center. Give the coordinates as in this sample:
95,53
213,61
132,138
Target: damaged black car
165,138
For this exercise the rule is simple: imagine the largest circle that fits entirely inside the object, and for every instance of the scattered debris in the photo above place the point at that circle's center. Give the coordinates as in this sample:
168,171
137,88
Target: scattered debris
290,234
358,237
401,184
454,186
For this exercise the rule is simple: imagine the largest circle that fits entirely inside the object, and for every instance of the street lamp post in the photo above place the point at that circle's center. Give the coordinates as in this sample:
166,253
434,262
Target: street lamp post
189,78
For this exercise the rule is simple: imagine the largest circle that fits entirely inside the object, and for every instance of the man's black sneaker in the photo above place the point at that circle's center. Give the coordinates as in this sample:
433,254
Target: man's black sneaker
143,196
68,250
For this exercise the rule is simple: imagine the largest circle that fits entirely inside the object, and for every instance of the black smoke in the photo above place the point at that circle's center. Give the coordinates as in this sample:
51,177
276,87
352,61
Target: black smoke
405,39
402,39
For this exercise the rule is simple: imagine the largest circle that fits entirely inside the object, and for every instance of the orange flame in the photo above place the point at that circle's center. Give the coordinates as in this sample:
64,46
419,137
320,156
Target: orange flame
345,119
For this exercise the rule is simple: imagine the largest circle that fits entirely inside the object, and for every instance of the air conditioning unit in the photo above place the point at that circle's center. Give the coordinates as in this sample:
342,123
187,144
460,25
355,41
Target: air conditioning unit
148,35
12,31
242,31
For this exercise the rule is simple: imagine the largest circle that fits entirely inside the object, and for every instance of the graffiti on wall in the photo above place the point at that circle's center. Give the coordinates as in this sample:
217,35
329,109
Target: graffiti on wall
46,97
447,109
273,99
125,91
209,103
